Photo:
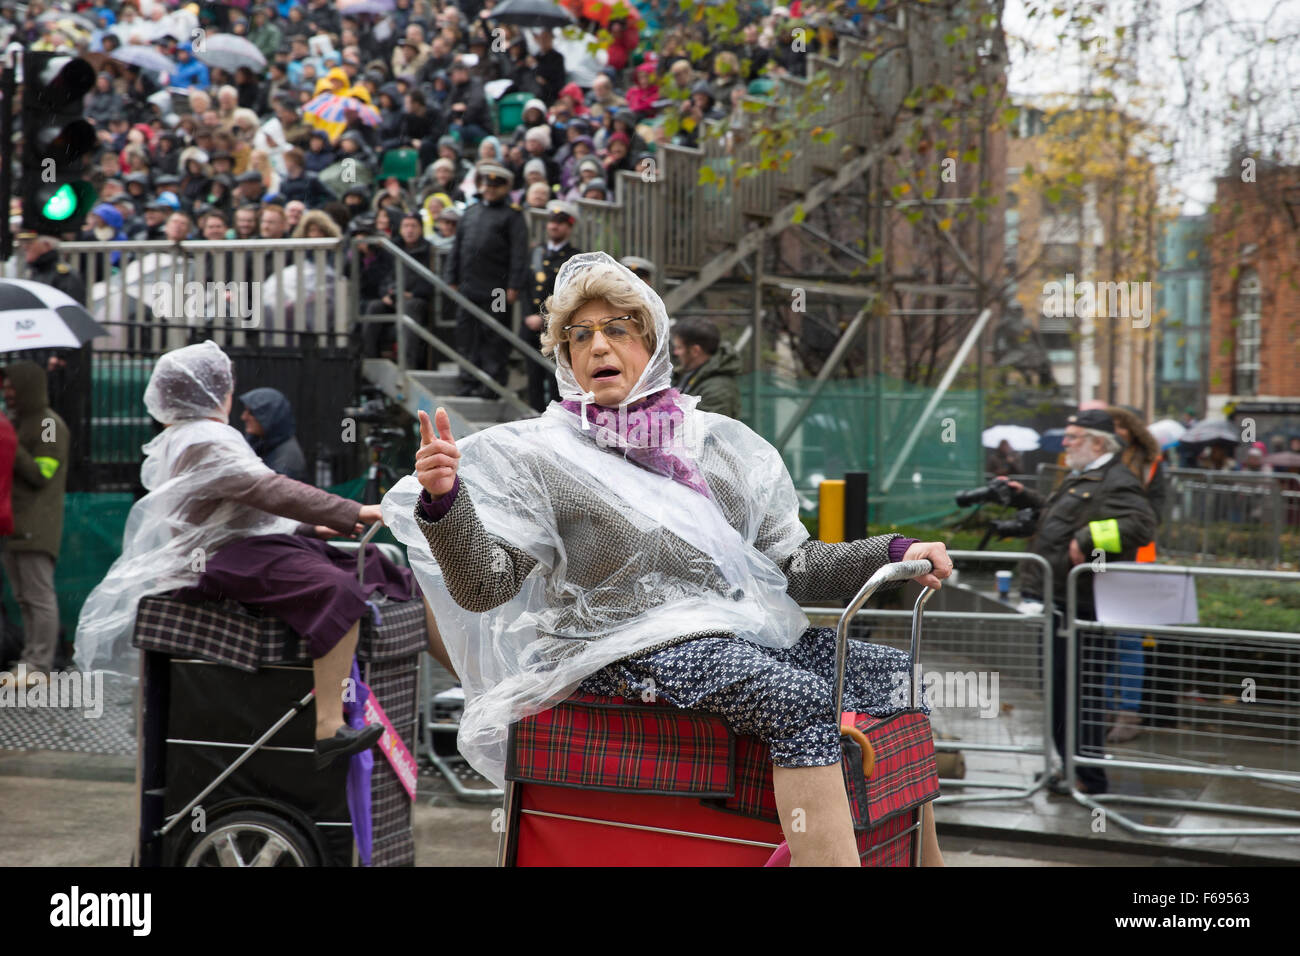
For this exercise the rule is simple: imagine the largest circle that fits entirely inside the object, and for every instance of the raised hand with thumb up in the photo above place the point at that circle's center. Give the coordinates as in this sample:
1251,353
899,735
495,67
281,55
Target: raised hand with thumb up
438,458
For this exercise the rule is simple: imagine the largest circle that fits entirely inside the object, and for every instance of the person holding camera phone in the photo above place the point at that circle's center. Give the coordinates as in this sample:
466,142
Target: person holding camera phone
1100,510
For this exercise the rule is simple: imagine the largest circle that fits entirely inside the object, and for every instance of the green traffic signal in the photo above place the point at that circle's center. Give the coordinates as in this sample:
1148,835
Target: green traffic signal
61,205
69,201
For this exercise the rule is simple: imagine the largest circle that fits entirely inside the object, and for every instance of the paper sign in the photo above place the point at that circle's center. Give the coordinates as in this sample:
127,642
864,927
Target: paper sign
1131,597
390,743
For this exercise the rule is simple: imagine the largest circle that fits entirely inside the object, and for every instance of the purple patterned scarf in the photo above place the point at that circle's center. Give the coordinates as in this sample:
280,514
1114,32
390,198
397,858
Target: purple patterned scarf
654,412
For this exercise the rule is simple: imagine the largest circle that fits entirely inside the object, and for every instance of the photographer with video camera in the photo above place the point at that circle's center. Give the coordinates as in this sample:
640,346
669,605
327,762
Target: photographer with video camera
1100,508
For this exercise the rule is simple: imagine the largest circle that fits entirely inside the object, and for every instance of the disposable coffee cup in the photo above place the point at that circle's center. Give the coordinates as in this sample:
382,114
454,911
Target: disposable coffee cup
1004,584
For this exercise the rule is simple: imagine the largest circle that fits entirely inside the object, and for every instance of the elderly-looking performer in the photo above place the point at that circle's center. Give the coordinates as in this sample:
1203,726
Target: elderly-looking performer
219,523
625,542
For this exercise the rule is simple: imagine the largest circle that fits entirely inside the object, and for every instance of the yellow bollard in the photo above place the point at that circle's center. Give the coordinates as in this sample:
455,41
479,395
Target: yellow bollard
830,511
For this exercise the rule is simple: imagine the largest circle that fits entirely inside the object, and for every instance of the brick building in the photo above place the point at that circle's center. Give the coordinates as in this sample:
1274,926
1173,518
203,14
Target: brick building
1254,362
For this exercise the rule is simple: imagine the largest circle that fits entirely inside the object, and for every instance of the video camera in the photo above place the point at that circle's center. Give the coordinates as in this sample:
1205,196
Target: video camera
998,492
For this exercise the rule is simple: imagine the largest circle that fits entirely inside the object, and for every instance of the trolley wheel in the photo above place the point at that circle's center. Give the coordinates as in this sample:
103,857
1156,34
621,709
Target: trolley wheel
252,838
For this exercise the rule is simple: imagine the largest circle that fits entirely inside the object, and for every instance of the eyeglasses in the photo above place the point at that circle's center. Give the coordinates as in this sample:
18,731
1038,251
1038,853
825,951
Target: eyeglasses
496,181
618,331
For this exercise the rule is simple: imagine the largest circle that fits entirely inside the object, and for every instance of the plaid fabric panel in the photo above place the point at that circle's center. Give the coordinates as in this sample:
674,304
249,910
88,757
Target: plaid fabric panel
884,845
402,633
606,744
228,632
225,632
905,772
394,685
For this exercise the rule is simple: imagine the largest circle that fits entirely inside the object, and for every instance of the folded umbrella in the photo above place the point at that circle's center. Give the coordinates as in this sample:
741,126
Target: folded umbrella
34,315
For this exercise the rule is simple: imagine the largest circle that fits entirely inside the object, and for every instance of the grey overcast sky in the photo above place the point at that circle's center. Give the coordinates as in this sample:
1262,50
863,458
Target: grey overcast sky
1242,50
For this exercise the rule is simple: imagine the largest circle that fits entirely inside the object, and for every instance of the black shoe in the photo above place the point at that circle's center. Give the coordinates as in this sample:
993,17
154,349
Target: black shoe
346,742
1055,783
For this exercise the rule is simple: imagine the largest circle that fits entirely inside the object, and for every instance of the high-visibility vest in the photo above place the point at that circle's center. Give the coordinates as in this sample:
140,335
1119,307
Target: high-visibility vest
1147,553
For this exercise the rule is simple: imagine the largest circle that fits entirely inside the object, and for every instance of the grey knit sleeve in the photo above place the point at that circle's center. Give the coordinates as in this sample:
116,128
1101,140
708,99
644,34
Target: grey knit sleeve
481,570
819,571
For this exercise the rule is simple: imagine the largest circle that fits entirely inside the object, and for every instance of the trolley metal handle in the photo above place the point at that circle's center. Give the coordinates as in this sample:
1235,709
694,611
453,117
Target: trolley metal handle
361,550
899,571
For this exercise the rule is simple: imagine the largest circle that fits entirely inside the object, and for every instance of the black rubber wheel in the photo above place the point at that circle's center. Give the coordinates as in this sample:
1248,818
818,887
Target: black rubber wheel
252,838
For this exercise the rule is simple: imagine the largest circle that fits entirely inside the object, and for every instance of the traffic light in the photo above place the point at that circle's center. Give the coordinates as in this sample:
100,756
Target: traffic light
57,140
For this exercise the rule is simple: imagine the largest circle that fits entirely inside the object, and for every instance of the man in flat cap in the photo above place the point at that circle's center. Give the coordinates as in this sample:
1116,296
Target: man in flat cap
1099,510
543,267
488,265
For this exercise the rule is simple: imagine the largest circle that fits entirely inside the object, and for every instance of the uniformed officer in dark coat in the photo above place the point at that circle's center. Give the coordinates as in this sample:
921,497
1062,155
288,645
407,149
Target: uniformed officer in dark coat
44,265
488,264
544,266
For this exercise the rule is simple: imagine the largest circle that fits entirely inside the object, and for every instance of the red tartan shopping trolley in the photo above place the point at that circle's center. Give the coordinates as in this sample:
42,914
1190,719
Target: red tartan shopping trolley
604,781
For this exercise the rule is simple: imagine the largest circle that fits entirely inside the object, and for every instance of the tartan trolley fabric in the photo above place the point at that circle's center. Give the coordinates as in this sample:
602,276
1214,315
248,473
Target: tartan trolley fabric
604,743
227,632
600,743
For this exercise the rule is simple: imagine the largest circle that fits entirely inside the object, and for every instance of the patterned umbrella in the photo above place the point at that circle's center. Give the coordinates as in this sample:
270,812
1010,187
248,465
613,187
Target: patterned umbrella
328,112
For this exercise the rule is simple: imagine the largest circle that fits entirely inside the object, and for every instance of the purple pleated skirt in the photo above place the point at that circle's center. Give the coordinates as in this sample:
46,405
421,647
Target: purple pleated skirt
307,583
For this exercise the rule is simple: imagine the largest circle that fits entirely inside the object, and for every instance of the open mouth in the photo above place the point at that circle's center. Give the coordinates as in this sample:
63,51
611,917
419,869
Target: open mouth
605,372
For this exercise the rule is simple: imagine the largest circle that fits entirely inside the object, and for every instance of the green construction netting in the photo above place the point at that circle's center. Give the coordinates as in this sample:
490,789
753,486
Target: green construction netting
862,424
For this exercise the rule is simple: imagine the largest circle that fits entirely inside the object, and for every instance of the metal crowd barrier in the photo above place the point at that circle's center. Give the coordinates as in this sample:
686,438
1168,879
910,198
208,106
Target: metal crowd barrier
151,295
1005,736
1221,704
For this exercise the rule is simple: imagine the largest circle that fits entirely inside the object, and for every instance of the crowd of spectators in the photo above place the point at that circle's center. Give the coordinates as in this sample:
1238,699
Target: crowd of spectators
423,96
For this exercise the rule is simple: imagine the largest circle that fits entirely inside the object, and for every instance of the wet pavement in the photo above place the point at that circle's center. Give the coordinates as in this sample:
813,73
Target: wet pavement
66,783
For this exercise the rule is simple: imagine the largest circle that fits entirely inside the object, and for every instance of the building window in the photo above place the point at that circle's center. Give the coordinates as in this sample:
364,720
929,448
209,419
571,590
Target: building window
1247,368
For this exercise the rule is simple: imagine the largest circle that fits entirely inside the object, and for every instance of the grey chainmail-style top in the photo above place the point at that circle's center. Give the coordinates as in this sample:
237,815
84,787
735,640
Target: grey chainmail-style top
483,572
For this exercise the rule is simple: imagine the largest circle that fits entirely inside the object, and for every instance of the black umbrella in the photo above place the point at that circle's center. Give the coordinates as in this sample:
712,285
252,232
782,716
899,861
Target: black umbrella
531,13
34,315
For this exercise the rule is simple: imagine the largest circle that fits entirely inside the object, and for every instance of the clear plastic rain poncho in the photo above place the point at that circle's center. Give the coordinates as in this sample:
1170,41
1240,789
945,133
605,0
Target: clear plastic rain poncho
190,472
676,561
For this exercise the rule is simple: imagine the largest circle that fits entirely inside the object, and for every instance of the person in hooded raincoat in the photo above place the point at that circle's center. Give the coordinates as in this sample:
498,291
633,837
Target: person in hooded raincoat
625,542
219,523
270,428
